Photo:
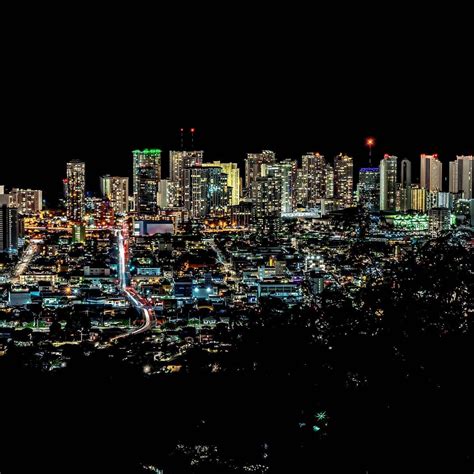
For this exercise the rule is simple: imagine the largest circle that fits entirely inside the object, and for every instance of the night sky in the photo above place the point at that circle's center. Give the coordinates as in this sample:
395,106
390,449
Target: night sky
96,91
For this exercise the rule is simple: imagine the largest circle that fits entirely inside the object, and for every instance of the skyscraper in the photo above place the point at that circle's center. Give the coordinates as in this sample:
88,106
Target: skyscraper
369,188
431,173
75,190
115,189
27,201
329,181
405,185
179,160
233,178
8,229
253,165
267,204
418,199
205,191
314,176
343,179
285,171
461,176
388,183
146,176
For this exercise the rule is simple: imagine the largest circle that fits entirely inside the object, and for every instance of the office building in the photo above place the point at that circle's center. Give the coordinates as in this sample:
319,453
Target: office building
368,188
388,183
267,204
146,176
253,165
431,173
178,161
115,189
8,229
27,201
75,190
461,176
404,201
418,198
285,171
233,179
314,178
439,220
343,180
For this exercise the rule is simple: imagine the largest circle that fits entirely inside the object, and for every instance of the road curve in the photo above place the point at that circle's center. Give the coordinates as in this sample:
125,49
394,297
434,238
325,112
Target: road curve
133,297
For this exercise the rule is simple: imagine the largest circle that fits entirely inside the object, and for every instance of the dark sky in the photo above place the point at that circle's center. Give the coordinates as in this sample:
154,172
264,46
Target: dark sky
97,86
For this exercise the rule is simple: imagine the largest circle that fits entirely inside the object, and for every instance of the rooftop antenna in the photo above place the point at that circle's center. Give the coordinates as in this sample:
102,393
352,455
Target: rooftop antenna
370,142
181,130
192,138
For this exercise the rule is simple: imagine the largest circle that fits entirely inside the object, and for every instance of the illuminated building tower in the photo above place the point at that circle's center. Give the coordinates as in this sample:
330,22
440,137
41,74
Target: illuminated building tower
241,215
8,229
75,190
27,201
431,173
2,189
461,176
314,174
285,171
146,175
78,234
233,178
267,205
205,191
301,191
405,185
115,189
329,181
343,179
439,220
368,189
179,160
104,214
164,191
253,165
418,199
388,183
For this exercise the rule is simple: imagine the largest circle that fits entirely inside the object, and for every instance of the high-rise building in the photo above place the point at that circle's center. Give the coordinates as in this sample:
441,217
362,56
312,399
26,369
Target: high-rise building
2,189
405,180
461,176
439,219
164,191
329,181
343,179
8,229
205,191
115,189
369,188
418,199
75,190
233,178
405,186
314,176
285,171
253,165
431,173
146,176
179,160
388,183
267,204
27,201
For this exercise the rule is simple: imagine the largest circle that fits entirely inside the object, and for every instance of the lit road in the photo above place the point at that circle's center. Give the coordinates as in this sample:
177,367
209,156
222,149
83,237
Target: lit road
135,299
25,260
